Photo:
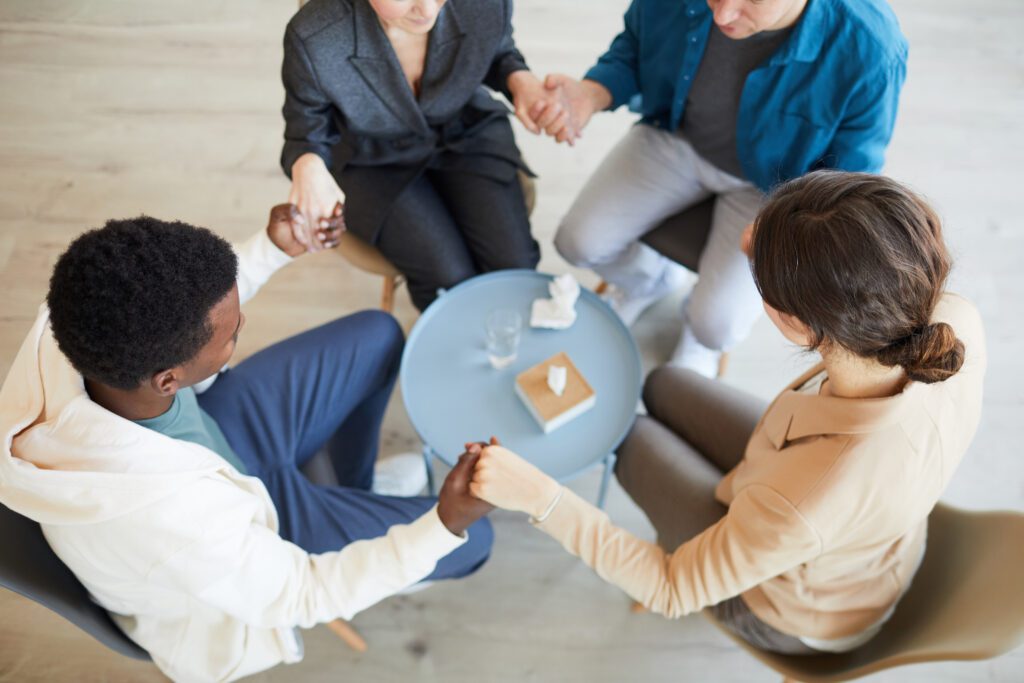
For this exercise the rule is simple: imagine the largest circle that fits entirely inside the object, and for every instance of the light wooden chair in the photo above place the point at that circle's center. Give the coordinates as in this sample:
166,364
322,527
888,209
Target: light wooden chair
966,603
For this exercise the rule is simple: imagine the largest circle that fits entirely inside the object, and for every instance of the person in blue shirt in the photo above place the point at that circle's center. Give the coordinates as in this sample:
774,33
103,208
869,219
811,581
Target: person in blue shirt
736,96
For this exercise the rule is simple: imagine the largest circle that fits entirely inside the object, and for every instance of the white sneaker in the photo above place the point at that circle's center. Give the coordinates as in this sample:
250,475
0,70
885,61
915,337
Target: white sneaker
690,353
629,307
404,475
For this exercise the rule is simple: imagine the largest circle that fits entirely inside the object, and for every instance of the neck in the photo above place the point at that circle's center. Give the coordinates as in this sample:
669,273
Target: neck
790,17
850,376
131,404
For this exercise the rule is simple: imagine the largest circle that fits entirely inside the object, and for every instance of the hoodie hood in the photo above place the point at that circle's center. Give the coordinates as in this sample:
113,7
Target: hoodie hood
66,460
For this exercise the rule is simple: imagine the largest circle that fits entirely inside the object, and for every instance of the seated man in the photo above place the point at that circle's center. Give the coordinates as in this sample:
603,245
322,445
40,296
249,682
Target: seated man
184,513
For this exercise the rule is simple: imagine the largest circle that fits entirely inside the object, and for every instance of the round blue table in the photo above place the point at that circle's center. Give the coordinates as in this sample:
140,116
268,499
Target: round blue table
453,395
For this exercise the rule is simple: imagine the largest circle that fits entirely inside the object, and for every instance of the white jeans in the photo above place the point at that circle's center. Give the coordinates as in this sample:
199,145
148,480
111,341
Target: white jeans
648,176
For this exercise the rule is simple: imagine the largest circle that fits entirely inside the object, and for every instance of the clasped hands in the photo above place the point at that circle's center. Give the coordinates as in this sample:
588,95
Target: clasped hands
560,106
489,475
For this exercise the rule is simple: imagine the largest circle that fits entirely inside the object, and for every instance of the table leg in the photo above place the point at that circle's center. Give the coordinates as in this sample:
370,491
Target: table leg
428,462
609,465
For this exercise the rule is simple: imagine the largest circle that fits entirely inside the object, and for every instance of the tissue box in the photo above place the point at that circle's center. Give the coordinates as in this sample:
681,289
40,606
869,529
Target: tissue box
550,410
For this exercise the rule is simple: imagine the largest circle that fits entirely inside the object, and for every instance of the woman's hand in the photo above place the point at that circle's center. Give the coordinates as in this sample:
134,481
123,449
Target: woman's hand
581,99
537,108
281,228
319,199
505,480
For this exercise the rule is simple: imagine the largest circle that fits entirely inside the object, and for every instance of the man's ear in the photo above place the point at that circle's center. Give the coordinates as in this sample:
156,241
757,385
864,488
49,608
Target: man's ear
167,382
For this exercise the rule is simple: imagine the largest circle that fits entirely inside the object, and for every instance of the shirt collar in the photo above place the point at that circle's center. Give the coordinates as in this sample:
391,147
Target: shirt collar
807,37
795,415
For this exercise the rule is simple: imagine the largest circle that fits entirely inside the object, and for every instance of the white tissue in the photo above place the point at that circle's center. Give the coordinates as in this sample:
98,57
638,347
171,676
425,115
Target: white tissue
558,312
556,379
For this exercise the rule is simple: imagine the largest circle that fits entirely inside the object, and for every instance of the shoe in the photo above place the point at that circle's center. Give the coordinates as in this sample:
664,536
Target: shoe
691,354
629,307
403,475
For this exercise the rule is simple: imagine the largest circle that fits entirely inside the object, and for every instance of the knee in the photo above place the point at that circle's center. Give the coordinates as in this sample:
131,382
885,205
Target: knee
718,327
664,386
381,329
574,242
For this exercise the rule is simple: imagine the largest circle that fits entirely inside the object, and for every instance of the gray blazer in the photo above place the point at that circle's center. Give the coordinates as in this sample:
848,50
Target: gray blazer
347,100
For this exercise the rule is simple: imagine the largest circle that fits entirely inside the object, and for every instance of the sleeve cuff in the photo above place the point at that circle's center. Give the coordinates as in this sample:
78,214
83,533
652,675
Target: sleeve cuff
436,534
258,259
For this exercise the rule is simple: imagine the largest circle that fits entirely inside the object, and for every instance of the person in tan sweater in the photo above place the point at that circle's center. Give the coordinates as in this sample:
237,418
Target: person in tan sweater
800,525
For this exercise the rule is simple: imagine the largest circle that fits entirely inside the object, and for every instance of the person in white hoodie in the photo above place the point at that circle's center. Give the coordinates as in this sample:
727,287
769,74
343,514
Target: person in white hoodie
173,491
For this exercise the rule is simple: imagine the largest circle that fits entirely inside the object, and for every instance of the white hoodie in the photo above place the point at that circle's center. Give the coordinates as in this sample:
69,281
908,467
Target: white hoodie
180,547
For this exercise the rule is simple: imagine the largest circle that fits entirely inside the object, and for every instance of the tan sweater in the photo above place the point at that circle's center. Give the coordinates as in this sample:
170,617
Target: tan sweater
827,510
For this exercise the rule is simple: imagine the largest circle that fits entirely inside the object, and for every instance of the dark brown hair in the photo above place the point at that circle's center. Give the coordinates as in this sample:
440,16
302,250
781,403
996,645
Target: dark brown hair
860,260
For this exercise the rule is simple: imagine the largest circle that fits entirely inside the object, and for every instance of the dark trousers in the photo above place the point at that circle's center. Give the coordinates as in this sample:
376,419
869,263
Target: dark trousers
329,385
696,430
448,226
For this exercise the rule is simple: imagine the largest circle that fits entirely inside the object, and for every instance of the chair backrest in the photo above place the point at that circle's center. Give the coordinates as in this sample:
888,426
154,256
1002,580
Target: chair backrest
29,567
681,237
966,602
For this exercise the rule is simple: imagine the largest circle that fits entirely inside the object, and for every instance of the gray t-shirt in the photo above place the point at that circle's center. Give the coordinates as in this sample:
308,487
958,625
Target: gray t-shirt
709,120
185,420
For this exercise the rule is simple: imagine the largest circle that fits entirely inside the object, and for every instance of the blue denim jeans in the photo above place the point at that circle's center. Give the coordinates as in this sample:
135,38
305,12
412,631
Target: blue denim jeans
329,385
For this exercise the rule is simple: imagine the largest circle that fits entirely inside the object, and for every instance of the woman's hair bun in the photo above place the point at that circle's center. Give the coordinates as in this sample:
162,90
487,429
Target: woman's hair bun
930,354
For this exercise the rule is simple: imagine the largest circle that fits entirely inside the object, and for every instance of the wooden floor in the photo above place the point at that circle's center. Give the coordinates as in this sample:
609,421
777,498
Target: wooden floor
112,108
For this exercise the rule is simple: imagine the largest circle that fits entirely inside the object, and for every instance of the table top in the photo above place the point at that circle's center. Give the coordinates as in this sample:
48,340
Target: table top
453,395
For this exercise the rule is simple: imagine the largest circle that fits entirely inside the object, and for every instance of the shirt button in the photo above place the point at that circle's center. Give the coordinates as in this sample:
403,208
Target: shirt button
693,39
686,78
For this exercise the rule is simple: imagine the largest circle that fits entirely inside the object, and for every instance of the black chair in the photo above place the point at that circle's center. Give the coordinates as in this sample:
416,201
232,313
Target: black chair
681,238
30,568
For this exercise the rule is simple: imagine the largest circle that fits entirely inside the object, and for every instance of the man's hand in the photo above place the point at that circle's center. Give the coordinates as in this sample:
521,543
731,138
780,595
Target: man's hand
537,107
581,99
457,508
282,229
318,197
505,480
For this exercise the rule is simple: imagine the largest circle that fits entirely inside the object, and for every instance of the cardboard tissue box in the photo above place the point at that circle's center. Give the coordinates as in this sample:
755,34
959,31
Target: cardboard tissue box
538,389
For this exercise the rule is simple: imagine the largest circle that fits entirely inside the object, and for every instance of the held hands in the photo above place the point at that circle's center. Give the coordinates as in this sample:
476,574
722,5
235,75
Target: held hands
320,203
282,227
456,506
566,108
505,480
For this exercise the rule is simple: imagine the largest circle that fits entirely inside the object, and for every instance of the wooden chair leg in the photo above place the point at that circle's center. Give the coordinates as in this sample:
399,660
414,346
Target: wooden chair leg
344,630
601,288
723,363
637,608
387,295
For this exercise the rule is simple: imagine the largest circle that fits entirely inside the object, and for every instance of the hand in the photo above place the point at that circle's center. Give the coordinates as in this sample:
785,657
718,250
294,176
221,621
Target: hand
747,241
318,198
456,507
581,99
537,108
505,480
281,230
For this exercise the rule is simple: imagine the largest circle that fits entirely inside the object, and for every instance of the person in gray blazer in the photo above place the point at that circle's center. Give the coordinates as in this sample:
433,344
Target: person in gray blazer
387,119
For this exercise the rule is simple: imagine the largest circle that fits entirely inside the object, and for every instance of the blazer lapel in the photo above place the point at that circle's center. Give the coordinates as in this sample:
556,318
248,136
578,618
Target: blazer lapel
374,59
442,59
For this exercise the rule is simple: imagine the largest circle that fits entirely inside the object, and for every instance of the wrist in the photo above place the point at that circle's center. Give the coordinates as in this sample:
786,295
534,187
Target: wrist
519,79
307,162
547,494
452,525
600,97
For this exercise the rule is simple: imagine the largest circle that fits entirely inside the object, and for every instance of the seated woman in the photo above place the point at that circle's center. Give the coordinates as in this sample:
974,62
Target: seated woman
802,524
385,98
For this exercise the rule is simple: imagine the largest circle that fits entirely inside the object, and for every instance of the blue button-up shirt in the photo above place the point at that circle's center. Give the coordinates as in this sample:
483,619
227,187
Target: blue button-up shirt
827,98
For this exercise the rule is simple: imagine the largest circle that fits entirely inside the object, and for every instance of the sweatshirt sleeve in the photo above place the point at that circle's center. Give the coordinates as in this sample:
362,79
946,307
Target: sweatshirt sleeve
617,68
267,582
258,259
760,537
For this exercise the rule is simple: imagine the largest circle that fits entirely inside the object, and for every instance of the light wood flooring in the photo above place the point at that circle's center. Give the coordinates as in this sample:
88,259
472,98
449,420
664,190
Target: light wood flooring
111,108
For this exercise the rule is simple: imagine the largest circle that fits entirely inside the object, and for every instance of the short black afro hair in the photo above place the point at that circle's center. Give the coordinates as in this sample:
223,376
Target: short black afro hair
133,297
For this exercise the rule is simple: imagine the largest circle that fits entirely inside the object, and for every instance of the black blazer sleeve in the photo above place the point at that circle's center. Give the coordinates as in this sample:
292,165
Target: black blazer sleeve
308,114
507,59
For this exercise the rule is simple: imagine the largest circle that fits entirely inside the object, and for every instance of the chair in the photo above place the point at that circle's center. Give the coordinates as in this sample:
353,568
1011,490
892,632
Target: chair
368,258
30,568
966,603
681,238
